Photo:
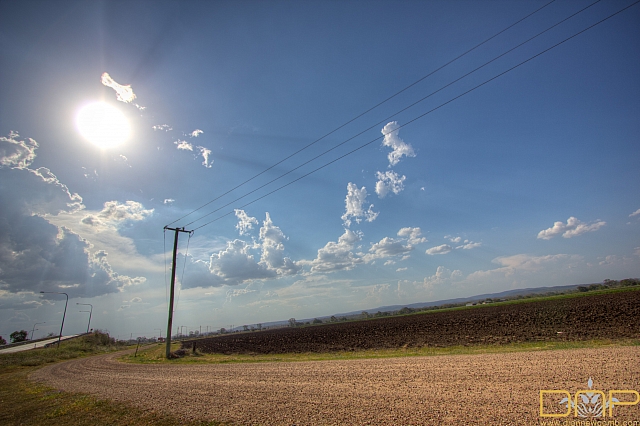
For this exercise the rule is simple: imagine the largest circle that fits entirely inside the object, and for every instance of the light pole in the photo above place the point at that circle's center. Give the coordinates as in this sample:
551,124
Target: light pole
34,328
90,312
159,331
63,315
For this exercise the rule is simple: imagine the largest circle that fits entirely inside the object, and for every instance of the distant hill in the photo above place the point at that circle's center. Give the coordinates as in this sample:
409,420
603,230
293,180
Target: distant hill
501,295
391,308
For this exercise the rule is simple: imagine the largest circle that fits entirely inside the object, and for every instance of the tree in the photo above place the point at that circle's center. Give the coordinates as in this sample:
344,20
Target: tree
317,321
259,325
2,341
333,319
18,336
292,322
223,330
245,327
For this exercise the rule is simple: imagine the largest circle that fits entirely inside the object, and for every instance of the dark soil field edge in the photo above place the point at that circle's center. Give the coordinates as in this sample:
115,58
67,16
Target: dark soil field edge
594,317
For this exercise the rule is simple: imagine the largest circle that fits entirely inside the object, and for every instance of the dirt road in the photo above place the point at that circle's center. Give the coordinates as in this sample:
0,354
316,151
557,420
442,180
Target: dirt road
497,389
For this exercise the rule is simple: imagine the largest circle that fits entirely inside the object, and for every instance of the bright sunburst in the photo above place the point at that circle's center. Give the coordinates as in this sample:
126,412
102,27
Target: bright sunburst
103,125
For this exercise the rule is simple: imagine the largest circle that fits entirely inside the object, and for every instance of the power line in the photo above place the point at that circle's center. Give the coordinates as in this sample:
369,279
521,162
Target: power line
394,114
428,112
363,113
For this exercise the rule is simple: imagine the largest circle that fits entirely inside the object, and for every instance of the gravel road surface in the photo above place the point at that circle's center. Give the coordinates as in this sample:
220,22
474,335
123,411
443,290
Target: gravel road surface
496,389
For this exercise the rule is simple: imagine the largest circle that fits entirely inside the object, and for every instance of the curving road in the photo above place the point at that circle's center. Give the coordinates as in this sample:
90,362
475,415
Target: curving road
498,389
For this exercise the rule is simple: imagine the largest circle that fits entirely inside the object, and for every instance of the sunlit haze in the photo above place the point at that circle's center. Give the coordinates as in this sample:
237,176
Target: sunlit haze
329,157
102,124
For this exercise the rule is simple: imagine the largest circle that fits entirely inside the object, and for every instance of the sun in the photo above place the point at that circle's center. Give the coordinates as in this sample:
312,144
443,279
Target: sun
103,125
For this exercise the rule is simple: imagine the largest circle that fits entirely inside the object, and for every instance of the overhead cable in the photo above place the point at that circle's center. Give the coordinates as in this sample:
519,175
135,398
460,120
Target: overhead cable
363,113
426,113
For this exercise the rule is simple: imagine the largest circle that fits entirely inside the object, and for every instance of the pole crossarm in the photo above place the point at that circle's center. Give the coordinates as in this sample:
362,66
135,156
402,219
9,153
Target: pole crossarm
173,283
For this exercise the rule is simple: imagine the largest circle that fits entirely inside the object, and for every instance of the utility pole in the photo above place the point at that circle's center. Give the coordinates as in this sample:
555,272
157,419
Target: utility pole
173,283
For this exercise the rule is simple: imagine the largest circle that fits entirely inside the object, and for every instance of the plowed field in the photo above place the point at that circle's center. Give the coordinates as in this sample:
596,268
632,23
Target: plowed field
603,316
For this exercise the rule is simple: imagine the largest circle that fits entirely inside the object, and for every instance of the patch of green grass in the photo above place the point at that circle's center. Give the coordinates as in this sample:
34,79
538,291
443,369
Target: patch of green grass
155,354
27,403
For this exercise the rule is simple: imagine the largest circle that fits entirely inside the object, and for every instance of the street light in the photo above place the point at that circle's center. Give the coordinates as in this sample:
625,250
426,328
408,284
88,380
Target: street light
63,315
34,328
90,312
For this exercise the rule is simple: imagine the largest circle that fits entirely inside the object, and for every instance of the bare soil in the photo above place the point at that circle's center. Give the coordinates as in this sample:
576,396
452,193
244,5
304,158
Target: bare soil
486,389
603,316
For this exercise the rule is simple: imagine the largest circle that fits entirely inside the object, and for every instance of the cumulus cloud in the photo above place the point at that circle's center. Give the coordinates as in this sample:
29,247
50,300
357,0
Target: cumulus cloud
183,145
15,152
169,201
399,147
124,93
636,213
572,228
337,256
205,156
236,264
442,276
196,133
413,235
115,213
468,245
271,243
36,255
245,222
354,206
441,249
387,247
389,181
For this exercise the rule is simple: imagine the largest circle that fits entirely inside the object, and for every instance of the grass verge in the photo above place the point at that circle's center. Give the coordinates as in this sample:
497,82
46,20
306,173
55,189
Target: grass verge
155,354
27,403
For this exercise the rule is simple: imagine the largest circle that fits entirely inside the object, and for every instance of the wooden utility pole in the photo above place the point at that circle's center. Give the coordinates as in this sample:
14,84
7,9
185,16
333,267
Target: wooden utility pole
173,283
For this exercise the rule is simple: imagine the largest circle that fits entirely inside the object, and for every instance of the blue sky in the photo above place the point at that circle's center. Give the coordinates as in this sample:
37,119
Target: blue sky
528,180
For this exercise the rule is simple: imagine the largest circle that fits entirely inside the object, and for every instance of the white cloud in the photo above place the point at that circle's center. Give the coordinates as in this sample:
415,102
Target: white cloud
164,127
115,213
205,156
196,133
442,276
123,93
272,239
122,160
387,247
469,245
389,181
401,269
354,202
454,240
413,235
442,249
236,264
245,222
572,228
17,153
183,145
168,201
636,213
398,146
516,271
336,256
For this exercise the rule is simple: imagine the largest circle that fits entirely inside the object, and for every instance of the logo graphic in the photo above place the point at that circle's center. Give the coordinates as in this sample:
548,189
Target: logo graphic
588,403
